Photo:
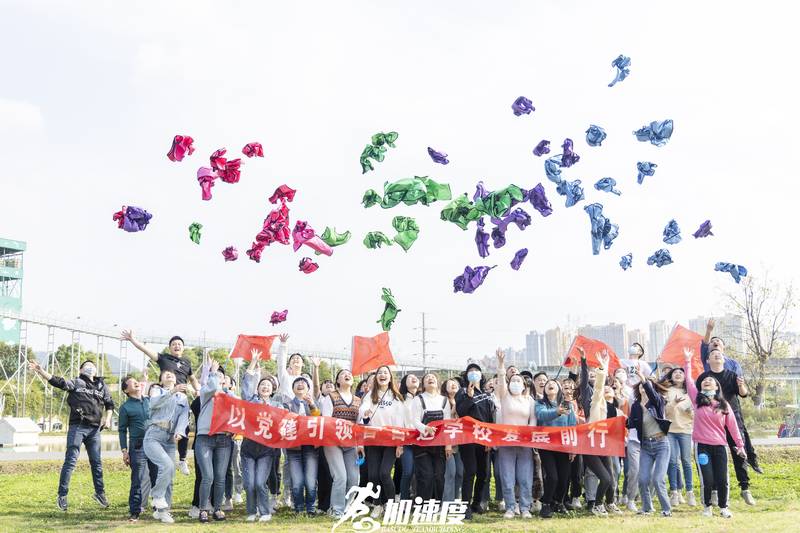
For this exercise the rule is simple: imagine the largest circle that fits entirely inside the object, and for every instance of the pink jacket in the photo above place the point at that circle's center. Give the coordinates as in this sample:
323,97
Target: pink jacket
710,424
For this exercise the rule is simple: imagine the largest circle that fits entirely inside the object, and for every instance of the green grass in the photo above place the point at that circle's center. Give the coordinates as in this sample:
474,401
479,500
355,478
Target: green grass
28,493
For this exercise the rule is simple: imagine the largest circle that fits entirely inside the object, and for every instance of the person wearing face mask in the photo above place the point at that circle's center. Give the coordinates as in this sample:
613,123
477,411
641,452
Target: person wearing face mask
491,464
472,401
454,468
714,425
169,415
515,463
429,406
87,397
342,461
681,412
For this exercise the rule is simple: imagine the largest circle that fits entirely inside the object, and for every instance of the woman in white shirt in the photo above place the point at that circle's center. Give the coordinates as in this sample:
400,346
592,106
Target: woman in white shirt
515,462
428,407
382,407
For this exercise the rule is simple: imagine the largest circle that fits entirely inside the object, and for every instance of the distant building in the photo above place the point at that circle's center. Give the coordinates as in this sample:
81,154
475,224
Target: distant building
635,335
659,333
556,346
535,350
615,335
732,329
698,324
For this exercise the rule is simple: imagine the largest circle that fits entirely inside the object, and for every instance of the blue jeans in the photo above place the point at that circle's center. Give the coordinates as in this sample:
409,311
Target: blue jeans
138,474
213,452
89,436
680,452
345,474
407,460
303,467
159,447
515,464
453,477
255,473
653,464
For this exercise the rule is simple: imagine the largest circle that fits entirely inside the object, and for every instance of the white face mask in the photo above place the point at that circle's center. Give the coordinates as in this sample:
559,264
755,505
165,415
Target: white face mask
89,371
634,351
515,387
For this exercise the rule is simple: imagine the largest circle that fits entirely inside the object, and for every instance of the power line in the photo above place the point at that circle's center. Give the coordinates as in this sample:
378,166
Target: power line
424,341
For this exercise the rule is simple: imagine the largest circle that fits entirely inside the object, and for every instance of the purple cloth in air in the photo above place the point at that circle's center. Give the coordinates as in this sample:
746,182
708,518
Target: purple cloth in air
498,237
522,106
518,216
438,157
471,279
568,158
542,148
519,257
480,191
539,200
704,230
482,239
136,219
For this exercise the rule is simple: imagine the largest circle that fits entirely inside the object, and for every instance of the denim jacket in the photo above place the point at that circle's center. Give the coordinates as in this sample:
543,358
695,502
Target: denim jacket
169,411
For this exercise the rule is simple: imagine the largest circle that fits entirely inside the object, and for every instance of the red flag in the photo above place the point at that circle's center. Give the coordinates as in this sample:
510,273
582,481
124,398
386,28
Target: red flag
679,339
370,353
592,347
245,343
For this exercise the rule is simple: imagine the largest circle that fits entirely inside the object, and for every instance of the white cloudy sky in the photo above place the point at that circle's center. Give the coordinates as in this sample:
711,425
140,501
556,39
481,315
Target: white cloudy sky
93,92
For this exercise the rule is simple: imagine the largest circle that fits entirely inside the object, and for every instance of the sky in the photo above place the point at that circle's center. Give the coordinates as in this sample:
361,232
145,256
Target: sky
93,93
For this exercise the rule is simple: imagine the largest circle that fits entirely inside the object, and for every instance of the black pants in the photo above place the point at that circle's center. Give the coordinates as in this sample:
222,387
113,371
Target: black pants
555,467
324,483
739,466
474,457
713,474
198,477
183,447
575,477
429,467
601,468
380,460
274,479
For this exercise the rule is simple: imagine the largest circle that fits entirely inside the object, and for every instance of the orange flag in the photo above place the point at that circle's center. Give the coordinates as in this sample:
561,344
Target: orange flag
592,347
679,339
245,343
370,353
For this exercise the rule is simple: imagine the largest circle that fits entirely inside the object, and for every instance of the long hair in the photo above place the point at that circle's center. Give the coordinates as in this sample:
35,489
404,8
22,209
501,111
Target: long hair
392,387
722,403
559,396
637,393
444,386
666,381
404,392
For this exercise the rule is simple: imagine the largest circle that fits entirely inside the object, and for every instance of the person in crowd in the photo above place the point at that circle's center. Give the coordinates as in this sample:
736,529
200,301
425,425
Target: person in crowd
258,459
515,463
342,461
88,398
327,387
715,343
324,479
572,501
454,468
553,411
169,416
714,425
274,479
733,387
429,406
539,379
648,418
174,361
194,510
636,365
491,464
512,371
303,460
472,400
213,452
132,424
382,407
681,412
234,484
409,388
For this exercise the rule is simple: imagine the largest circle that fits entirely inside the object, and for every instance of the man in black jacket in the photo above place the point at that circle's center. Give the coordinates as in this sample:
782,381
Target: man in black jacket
88,398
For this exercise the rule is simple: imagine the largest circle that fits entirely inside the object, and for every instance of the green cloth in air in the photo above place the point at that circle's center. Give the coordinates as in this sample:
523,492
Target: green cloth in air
376,150
407,231
417,190
389,311
461,212
497,203
374,239
333,239
194,232
371,198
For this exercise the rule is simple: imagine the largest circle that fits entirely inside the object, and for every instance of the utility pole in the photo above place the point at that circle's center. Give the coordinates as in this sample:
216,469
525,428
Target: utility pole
424,341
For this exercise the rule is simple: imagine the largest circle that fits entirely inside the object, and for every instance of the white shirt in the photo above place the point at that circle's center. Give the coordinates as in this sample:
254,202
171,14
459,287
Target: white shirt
285,379
390,410
433,402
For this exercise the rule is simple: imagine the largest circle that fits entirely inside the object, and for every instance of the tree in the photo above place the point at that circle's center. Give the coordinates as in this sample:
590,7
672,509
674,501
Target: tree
766,306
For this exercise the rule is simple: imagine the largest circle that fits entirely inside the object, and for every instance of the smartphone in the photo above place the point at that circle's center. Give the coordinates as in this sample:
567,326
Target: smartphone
566,405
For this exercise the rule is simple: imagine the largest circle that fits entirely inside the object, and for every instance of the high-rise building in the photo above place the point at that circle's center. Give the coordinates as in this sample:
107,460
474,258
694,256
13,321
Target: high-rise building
556,346
635,335
615,335
659,333
698,324
732,329
535,353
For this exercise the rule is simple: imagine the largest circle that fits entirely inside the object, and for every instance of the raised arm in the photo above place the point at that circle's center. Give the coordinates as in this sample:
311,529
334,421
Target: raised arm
502,387
36,367
691,388
709,330
283,351
127,335
315,362
599,380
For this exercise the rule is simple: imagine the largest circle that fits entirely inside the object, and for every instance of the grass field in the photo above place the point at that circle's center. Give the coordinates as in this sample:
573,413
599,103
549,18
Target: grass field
28,493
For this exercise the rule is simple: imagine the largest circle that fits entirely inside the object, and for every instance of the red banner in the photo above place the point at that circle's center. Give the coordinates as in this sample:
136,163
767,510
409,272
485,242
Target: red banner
279,428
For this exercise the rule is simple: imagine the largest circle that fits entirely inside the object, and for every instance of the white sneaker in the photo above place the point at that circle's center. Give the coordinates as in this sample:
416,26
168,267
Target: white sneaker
725,513
516,509
714,499
160,503
537,506
673,499
508,515
237,498
194,512
680,497
265,518
377,511
183,467
501,506
527,514
747,496
623,501
576,503
708,511
690,501
164,516
599,510
227,506
631,506
251,518
612,508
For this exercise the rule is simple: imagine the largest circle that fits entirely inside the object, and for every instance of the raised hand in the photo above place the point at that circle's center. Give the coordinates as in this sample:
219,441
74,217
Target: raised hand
180,388
284,337
603,359
711,323
501,356
316,361
255,355
688,353
582,352
34,366
127,335
214,366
